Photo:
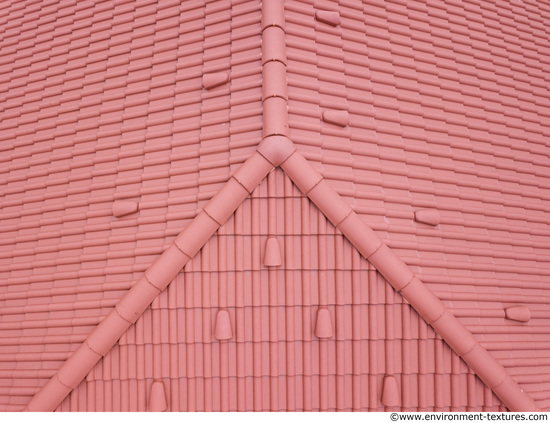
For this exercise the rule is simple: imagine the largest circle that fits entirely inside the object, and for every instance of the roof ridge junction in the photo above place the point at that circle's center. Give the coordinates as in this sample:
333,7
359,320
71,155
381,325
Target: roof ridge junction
276,149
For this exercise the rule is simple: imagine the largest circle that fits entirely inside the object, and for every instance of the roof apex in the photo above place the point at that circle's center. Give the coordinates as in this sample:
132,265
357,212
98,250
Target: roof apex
279,150
334,208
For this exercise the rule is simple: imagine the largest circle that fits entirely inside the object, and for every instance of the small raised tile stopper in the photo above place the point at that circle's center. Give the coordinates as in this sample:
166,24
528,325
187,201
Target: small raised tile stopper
157,397
429,217
213,80
518,313
223,330
336,117
124,208
323,327
272,256
390,392
328,17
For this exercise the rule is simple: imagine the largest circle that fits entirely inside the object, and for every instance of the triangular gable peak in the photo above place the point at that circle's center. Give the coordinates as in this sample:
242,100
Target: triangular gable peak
278,151
278,311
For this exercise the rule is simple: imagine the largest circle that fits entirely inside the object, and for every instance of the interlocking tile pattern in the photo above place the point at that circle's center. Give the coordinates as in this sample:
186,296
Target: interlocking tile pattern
448,107
121,119
103,103
273,359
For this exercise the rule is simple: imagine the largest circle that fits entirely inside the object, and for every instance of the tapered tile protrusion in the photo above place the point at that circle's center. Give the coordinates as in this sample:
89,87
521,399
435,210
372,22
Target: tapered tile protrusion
518,313
213,80
429,217
304,176
223,330
72,372
390,392
253,171
157,397
336,117
272,256
124,208
323,327
328,17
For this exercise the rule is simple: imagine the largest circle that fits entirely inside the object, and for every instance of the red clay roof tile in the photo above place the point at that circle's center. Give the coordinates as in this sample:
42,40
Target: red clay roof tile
446,111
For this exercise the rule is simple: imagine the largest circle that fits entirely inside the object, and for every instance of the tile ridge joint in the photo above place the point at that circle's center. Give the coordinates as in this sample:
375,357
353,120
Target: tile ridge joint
407,284
151,283
212,217
473,346
377,248
274,25
290,155
121,316
311,189
180,250
445,310
347,214
94,351
276,148
241,184
61,382
274,59
506,376
277,95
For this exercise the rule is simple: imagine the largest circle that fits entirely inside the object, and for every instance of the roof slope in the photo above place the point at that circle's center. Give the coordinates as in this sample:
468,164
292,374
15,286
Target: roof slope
333,154
448,109
273,358
106,103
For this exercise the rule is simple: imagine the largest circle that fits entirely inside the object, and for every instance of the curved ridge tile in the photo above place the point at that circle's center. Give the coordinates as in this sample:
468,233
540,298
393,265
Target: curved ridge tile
273,45
274,80
276,149
301,172
254,172
329,202
275,117
273,14
78,365
49,396
226,201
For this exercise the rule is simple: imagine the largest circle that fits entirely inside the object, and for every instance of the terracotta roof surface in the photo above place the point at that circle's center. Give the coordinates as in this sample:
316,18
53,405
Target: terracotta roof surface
319,332
126,122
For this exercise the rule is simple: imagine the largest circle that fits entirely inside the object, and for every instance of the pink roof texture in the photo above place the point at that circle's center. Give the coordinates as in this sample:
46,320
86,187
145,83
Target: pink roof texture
274,206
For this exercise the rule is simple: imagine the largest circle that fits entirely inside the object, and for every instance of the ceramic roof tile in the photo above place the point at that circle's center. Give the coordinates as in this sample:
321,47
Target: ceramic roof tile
322,377
445,111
